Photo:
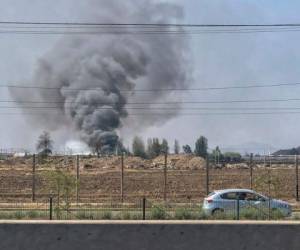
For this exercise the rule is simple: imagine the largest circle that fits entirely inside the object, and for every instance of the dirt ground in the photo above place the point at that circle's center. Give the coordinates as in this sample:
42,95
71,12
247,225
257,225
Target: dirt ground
100,179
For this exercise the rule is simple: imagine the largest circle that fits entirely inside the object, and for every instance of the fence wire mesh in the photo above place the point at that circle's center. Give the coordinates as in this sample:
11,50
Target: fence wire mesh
176,187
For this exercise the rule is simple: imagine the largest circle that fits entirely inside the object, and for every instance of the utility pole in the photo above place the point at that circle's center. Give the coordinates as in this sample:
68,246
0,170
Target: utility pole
165,176
251,171
33,177
297,177
122,177
207,175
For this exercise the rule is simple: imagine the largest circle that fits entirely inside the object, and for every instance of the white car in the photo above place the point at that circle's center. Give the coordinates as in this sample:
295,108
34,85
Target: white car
228,200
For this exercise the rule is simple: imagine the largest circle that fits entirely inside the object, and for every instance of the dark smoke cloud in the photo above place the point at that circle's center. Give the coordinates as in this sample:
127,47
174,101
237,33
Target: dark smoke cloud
107,69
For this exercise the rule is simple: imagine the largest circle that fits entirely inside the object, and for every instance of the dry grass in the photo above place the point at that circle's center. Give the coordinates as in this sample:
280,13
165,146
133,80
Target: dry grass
100,178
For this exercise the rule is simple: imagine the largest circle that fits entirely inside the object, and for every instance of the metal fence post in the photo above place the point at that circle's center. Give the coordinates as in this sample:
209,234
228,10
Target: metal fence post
297,177
207,175
251,171
122,177
165,176
77,179
238,208
269,187
33,177
144,208
50,208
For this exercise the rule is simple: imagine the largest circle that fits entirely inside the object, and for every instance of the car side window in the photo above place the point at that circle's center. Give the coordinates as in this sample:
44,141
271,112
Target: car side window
242,196
261,198
252,197
229,196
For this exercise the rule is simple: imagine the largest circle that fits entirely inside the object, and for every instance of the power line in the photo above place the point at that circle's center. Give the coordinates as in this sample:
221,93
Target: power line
147,24
182,114
152,108
145,32
142,32
156,103
157,90
153,29
74,28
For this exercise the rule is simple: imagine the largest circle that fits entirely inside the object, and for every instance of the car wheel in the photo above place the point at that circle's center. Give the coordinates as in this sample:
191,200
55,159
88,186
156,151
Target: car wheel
218,212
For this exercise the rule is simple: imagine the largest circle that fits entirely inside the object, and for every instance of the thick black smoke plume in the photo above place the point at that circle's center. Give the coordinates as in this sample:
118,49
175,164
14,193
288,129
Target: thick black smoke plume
96,75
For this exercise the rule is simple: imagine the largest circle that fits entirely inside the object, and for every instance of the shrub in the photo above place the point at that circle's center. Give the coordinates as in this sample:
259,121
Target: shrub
221,215
232,157
136,216
296,217
32,214
107,215
183,214
117,216
202,216
252,214
158,212
63,185
126,216
277,215
260,214
83,215
5,216
18,215
58,212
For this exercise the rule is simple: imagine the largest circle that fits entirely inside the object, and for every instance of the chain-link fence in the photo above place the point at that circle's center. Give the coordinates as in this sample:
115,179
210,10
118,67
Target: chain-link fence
88,180
143,209
26,178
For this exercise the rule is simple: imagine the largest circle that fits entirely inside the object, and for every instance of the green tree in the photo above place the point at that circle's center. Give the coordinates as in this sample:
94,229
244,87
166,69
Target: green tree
44,144
156,147
201,147
187,149
164,147
232,157
138,147
217,155
153,147
62,185
97,148
176,147
120,148
150,152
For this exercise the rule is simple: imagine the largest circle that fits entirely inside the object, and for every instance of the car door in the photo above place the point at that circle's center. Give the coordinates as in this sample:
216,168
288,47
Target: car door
256,201
242,197
229,201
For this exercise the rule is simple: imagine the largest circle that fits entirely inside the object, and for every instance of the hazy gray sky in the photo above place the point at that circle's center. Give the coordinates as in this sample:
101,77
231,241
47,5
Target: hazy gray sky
217,59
